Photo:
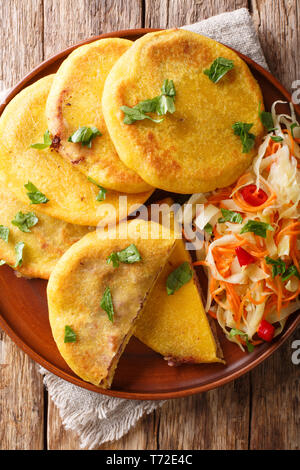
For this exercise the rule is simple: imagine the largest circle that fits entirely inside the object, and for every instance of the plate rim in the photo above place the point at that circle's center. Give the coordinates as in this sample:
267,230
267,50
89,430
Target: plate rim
25,81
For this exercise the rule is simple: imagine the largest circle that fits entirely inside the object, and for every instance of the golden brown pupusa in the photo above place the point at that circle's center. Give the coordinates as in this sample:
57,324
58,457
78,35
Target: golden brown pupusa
72,197
76,288
46,242
194,149
75,100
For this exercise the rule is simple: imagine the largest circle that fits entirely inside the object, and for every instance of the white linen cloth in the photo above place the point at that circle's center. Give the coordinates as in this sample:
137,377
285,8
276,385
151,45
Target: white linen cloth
99,418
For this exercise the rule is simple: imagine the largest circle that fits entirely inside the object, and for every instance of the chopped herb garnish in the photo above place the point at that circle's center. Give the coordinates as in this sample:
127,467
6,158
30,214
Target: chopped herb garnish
159,104
279,269
47,142
242,130
208,228
179,277
230,216
84,135
19,254
295,124
4,233
25,221
259,228
70,335
218,69
278,266
266,119
129,255
102,193
290,271
234,332
107,304
35,196
276,138
114,259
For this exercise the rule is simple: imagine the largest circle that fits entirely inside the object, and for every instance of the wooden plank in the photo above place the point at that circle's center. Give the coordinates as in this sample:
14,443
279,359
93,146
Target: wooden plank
21,38
21,388
21,400
278,25
141,437
218,419
275,422
171,13
85,19
69,21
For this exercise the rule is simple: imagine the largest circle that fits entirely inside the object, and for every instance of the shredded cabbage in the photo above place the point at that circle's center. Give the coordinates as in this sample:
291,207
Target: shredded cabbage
266,287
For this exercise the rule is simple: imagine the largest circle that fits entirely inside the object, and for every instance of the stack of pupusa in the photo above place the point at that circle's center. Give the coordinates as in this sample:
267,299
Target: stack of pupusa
70,172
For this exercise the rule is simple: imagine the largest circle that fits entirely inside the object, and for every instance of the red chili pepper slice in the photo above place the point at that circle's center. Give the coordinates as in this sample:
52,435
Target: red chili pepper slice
252,196
266,331
244,257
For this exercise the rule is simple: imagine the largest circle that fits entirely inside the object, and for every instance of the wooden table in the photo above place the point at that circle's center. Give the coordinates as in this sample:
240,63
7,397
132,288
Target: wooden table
260,410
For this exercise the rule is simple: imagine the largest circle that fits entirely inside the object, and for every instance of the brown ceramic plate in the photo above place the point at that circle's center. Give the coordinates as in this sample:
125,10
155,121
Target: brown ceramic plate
141,374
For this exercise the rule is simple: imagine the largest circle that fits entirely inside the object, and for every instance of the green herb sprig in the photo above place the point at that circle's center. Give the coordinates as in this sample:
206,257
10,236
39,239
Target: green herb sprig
24,222
101,196
242,130
230,216
84,135
47,142
235,331
259,228
35,196
180,276
70,335
107,304
129,255
218,69
160,105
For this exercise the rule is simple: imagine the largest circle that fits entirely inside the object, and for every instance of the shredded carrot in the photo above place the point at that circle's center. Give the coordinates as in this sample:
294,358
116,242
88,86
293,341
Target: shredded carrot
270,291
212,314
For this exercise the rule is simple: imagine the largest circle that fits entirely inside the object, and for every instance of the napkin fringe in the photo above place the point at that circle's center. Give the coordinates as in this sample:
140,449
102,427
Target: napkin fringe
98,422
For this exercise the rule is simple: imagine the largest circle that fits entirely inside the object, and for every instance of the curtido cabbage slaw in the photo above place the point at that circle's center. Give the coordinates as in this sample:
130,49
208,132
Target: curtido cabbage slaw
251,240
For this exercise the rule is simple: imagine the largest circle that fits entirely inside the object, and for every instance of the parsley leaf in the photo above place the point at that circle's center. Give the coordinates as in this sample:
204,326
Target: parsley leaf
218,69
234,332
19,254
168,88
25,221
47,142
266,119
102,193
230,216
242,130
279,269
70,335
295,124
259,228
290,271
276,138
35,196
278,266
84,135
107,304
129,255
4,233
114,259
160,105
208,228
179,277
